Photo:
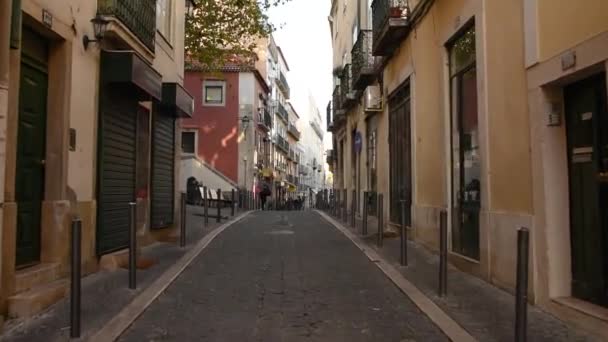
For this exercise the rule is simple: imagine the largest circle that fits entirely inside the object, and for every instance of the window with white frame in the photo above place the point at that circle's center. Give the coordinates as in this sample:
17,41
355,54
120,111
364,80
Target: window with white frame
214,93
189,142
164,18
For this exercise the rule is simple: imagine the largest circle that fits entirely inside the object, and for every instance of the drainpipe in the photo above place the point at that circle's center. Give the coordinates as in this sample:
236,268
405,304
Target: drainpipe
5,43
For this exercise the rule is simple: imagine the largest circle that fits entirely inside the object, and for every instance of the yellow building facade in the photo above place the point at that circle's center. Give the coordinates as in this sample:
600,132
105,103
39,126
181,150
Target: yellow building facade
459,106
84,106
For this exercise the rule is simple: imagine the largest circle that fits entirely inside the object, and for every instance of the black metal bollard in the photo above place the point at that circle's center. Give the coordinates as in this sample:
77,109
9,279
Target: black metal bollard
345,206
182,227
338,204
219,206
380,214
521,291
206,206
353,206
365,210
232,203
403,235
443,253
132,247
75,278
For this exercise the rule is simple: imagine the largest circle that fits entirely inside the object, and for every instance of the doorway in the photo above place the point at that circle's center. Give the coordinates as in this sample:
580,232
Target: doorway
587,135
400,154
31,146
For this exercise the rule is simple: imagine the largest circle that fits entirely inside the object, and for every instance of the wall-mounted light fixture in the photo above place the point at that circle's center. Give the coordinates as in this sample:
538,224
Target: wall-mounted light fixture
99,28
245,120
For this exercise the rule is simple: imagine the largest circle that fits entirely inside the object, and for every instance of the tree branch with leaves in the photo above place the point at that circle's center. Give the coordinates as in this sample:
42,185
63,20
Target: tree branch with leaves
226,31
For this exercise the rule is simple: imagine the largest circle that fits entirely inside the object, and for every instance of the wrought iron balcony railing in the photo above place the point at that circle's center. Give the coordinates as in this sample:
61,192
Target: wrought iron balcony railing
265,119
293,130
338,110
282,111
363,68
390,25
282,144
330,119
283,85
346,87
139,16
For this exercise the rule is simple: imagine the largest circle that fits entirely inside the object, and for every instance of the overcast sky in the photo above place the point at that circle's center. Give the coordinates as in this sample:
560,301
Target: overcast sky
303,35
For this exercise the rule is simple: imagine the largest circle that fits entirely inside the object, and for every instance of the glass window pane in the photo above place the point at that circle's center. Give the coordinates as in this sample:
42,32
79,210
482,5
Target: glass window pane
462,53
466,162
214,94
188,142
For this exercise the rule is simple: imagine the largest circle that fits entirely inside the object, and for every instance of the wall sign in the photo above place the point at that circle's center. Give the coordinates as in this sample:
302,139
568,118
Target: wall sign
358,142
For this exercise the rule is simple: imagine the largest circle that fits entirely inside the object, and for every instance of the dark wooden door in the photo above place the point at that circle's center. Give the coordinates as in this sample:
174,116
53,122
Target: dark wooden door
30,162
587,131
400,154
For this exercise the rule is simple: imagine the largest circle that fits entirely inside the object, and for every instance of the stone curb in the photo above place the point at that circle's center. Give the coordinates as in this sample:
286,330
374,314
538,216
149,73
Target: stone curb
121,322
444,322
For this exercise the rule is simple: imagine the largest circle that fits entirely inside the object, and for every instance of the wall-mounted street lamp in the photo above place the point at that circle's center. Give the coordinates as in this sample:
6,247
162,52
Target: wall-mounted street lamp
245,120
100,25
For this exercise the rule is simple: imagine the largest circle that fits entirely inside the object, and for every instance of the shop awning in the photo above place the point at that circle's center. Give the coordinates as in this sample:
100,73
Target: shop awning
126,67
175,96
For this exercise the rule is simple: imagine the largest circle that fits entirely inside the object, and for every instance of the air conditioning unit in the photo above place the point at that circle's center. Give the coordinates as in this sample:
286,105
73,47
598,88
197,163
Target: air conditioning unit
372,99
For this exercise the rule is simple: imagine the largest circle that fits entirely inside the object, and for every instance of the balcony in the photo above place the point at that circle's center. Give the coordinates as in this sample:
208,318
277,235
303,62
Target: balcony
330,123
282,144
330,157
390,25
338,111
265,120
283,114
139,16
283,85
364,66
297,159
291,155
290,179
293,130
349,98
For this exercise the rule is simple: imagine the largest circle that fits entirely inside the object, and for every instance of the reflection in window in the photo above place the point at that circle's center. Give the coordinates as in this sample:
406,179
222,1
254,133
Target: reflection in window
163,18
214,93
466,163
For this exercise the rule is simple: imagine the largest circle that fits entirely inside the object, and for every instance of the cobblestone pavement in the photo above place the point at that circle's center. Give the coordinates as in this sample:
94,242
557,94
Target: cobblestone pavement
485,311
282,276
53,324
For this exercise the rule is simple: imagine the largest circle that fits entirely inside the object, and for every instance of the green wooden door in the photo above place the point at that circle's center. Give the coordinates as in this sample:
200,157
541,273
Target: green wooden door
30,162
588,160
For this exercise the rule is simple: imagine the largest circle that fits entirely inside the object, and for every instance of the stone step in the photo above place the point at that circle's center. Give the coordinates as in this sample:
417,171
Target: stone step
33,301
38,275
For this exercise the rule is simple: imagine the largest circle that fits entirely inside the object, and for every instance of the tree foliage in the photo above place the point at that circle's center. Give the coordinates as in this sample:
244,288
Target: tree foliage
221,31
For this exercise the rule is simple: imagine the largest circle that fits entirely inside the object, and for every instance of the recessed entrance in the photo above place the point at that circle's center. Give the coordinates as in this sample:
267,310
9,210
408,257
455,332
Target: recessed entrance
587,132
31,144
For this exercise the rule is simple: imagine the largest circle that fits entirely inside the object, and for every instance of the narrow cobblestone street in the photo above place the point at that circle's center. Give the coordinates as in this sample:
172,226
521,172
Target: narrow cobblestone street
282,276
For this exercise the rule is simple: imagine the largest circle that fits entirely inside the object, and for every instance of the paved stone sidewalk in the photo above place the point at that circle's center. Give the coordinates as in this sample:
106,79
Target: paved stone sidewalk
482,309
104,294
282,276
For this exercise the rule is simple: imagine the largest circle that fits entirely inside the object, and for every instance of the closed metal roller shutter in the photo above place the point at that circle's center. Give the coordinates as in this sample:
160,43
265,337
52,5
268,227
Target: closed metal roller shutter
116,187
163,147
